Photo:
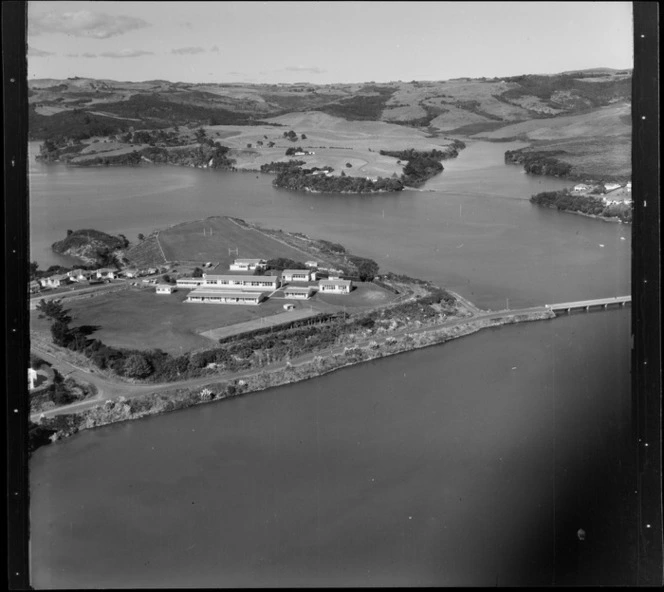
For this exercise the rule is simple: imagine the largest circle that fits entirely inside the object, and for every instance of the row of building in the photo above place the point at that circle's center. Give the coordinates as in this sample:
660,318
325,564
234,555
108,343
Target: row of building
610,192
89,276
254,289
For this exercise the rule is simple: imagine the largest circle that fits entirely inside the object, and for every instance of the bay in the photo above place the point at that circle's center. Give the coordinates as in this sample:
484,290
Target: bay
487,453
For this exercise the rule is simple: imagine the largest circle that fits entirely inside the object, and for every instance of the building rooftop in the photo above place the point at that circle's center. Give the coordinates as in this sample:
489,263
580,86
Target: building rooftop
244,278
225,293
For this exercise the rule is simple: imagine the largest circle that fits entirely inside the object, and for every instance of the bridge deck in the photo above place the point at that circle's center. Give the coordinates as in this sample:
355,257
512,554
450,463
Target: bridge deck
587,303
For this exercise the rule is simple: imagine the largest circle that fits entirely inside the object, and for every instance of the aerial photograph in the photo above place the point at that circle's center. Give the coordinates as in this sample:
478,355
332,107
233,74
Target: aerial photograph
331,294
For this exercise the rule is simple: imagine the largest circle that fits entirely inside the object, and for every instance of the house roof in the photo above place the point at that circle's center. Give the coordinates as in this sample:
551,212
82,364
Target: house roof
298,289
237,261
335,282
291,271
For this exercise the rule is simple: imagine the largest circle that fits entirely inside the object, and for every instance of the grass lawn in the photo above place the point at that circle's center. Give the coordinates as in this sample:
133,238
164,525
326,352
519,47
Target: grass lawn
186,242
363,296
142,319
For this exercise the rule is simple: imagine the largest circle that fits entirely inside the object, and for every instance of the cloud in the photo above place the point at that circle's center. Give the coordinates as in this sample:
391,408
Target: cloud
306,69
125,53
187,50
97,25
38,53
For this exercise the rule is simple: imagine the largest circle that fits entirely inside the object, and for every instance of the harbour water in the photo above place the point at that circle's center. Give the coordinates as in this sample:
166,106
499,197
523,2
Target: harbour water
471,463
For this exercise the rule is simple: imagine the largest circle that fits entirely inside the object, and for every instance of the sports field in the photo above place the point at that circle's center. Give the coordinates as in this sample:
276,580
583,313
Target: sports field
142,319
221,241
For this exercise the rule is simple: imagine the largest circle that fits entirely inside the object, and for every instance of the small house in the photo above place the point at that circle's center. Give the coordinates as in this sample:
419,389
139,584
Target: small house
298,293
581,187
164,289
56,281
106,273
248,264
296,275
33,287
611,186
628,187
312,264
335,286
289,306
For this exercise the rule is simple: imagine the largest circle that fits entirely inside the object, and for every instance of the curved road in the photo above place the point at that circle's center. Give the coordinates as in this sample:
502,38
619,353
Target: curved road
112,389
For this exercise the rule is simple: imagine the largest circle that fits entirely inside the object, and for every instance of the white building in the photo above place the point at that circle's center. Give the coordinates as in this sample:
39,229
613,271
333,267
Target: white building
248,264
335,286
106,273
581,187
611,186
189,283
296,275
241,282
32,377
164,289
300,293
55,281
225,297
312,264
628,187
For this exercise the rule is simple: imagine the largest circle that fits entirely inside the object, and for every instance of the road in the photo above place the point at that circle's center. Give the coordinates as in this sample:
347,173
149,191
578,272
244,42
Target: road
112,389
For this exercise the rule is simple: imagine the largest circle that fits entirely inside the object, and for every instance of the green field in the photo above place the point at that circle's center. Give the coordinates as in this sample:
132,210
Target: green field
142,319
186,242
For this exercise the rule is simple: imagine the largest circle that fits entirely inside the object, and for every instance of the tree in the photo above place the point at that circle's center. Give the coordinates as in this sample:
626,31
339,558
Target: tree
70,232
137,366
303,136
53,310
141,236
60,333
33,268
198,272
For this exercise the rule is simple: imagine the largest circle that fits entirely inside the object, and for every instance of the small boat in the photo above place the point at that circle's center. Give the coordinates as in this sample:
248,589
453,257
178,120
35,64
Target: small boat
622,238
513,367
601,245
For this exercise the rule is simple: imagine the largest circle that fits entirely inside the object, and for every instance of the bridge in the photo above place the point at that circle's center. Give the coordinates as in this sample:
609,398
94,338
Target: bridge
589,304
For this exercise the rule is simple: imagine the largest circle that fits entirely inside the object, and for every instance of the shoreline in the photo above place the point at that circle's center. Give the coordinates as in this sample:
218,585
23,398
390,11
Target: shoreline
174,398
613,219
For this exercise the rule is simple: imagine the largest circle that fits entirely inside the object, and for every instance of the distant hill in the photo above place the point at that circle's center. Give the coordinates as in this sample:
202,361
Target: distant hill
458,106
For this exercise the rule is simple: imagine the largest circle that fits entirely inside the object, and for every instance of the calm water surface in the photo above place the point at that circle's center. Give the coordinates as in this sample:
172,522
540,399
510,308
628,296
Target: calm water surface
472,463
475,231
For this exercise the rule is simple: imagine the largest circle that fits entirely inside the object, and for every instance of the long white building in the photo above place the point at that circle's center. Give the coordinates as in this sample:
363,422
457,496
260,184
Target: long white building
225,296
241,282
335,286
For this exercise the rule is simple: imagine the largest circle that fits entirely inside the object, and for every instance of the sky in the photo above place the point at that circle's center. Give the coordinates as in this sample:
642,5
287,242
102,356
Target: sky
323,42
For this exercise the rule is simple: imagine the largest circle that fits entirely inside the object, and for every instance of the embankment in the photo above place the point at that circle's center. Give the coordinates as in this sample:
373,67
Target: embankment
124,409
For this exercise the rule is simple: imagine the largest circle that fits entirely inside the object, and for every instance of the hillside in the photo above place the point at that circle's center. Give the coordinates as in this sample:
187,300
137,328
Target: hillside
441,106
583,115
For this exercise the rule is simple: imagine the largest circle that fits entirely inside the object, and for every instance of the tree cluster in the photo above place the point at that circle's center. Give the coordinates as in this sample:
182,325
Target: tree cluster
299,179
